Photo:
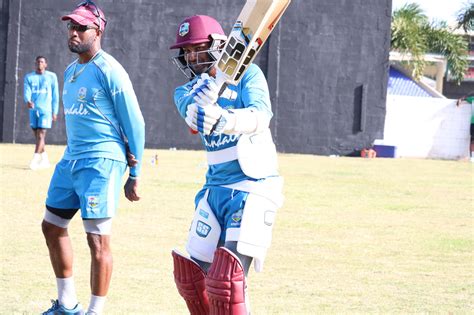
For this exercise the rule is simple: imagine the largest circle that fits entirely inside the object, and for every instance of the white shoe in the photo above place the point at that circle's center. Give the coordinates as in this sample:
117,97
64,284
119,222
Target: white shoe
35,162
44,163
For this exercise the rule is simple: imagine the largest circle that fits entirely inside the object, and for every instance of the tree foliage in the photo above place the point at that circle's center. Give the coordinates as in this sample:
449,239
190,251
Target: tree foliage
413,33
466,18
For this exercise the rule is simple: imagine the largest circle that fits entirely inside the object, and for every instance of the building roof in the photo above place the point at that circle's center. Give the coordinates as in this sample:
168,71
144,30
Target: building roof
401,84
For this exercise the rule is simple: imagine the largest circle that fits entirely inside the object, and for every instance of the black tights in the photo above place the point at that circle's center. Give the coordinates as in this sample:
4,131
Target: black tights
232,246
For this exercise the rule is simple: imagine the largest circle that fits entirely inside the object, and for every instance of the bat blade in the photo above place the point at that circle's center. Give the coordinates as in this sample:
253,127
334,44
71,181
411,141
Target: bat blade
254,25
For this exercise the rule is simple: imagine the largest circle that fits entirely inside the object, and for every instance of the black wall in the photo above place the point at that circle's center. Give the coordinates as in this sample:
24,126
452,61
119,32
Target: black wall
326,65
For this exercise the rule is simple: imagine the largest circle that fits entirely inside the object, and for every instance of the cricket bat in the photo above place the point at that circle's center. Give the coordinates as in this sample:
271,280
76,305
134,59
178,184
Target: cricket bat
254,25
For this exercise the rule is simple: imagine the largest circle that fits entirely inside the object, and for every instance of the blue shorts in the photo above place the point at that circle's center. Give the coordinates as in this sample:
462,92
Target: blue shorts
92,184
227,205
40,120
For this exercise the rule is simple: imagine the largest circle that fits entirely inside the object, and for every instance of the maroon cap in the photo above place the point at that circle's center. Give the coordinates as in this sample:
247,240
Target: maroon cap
84,15
196,30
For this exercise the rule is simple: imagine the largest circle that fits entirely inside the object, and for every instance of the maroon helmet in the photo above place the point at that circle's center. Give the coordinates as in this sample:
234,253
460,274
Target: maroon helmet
198,29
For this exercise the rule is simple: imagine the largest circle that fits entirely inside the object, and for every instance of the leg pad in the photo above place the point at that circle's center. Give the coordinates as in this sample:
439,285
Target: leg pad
225,284
189,279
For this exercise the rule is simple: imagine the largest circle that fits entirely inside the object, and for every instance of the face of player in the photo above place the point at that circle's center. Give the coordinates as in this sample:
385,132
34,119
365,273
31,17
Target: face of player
197,57
41,65
81,39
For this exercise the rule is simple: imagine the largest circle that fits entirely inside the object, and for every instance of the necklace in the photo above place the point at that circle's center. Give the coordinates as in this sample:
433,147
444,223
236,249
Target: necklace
76,75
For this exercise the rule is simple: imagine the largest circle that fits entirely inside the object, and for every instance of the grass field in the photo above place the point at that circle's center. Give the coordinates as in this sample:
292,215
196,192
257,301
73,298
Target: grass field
354,236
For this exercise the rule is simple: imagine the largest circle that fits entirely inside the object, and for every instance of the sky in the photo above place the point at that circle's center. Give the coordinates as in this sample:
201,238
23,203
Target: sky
436,9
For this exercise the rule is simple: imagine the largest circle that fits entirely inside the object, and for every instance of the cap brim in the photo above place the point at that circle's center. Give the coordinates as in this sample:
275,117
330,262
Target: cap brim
189,42
77,19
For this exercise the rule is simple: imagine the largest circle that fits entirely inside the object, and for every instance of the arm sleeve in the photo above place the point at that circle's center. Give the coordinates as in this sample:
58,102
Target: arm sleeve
182,98
129,115
254,92
55,94
26,90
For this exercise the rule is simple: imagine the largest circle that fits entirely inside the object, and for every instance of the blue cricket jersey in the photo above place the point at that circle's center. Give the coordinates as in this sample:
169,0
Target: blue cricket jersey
252,92
42,90
101,111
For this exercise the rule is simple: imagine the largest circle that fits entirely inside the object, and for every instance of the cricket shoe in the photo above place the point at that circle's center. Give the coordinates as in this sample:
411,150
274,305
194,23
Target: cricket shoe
44,163
58,309
35,162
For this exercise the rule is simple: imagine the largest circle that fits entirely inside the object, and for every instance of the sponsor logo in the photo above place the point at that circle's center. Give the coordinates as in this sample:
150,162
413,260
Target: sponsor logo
76,110
202,229
183,29
92,203
220,140
40,91
203,214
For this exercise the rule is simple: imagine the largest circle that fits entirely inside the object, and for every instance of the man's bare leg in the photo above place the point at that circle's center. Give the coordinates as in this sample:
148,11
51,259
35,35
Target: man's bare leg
101,270
60,249
40,140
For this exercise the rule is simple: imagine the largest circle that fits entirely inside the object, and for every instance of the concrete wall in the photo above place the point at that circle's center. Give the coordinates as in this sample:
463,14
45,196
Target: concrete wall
425,127
326,65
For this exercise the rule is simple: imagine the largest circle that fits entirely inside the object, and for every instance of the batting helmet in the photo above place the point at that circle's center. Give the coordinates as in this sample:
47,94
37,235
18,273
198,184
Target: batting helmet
197,29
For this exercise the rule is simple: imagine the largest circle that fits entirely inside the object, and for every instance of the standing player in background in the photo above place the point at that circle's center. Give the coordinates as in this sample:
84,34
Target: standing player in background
41,95
470,100
235,210
101,114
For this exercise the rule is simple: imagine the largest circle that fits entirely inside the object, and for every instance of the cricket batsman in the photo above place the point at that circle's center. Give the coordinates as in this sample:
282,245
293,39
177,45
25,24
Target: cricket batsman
235,209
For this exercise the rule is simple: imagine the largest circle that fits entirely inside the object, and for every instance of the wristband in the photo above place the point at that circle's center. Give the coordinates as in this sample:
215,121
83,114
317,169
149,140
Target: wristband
133,177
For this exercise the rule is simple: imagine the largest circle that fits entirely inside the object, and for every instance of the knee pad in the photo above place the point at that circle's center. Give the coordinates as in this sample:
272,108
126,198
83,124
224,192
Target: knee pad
189,279
225,284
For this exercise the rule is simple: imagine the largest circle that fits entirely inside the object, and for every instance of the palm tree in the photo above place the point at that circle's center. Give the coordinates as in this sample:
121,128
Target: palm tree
466,17
413,33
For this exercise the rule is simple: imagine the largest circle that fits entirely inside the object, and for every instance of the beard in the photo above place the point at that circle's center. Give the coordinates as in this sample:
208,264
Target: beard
79,48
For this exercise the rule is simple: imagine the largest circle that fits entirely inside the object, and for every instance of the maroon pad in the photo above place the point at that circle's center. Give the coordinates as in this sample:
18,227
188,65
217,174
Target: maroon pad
189,279
225,284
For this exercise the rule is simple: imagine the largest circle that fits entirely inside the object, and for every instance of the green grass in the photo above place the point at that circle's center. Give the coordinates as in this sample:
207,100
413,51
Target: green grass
354,236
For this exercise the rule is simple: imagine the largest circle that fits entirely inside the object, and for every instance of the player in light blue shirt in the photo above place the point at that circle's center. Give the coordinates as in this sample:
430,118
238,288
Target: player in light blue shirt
40,93
105,130
235,210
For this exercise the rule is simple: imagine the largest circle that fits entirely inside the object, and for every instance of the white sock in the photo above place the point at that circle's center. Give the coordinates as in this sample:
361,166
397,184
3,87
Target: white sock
44,155
66,292
96,305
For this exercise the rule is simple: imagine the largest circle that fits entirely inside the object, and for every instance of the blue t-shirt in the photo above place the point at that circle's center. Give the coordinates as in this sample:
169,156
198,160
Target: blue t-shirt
42,90
252,92
101,111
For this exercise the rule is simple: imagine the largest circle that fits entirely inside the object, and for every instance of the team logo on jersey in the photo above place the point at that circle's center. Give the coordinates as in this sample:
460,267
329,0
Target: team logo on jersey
92,203
81,94
202,229
183,29
237,217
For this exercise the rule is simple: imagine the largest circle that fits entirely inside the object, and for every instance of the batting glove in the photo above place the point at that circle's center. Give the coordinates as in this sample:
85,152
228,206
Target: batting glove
210,119
205,91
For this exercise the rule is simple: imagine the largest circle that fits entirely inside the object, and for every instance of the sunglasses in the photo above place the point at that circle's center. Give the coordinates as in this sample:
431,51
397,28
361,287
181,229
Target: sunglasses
91,6
80,28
